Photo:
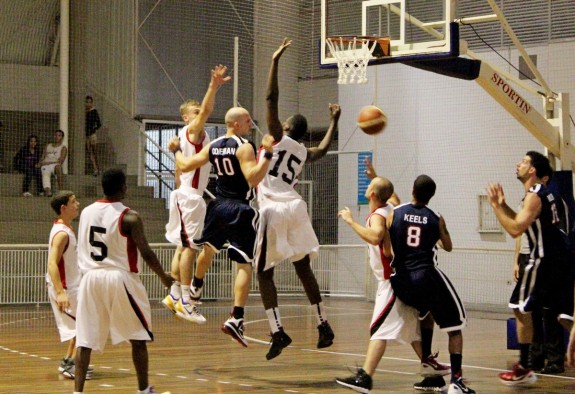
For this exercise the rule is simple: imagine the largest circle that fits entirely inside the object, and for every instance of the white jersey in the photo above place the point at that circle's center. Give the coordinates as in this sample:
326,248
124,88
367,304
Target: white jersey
380,265
198,178
288,159
68,264
53,153
101,243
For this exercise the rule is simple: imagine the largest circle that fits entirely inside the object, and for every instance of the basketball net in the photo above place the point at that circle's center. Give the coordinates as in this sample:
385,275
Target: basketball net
352,58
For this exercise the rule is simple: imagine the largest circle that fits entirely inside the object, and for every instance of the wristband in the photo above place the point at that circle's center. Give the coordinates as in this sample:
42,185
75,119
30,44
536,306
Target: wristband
268,155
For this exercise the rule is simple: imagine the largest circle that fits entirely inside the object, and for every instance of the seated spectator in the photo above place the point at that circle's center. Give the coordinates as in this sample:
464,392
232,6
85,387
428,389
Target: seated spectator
25,162
51,162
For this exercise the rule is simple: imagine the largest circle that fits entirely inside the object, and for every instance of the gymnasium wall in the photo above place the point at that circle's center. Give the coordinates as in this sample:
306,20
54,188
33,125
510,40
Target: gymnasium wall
451,130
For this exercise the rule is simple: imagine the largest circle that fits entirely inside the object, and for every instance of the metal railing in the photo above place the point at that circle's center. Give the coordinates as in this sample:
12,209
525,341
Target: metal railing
340,271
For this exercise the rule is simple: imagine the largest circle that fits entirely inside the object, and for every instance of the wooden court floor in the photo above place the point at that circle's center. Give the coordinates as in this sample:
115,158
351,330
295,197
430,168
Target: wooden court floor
188,358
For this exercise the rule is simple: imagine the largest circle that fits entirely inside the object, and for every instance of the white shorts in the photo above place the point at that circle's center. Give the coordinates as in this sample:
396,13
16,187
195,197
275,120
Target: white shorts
187,206
392,320
65,321
115,302
288,230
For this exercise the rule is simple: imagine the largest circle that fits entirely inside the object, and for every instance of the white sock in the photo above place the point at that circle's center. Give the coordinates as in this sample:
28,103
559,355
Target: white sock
274,319
146,391
321,316
186,294
175,290
78,392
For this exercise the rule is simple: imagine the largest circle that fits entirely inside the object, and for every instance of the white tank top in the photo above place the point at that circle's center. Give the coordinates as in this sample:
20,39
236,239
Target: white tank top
288,159
380,265
53,153
101,243
68,264
198,178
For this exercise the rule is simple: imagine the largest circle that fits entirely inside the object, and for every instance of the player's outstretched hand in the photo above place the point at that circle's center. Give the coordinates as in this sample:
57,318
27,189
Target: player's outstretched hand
346,215
370,171
335,110
285,43
268,143
495,194
174,144
219,76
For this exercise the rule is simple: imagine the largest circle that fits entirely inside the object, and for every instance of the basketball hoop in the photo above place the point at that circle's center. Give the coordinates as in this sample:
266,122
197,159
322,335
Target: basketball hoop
353,55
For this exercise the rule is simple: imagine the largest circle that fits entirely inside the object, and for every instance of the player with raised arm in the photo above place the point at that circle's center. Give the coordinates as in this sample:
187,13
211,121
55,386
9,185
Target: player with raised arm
111,246
392,320
187,206
285,231
546,281
415,232
230,218
431,370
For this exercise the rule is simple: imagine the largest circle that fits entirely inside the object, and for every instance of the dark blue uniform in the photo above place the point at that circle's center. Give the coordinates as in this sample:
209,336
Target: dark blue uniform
546,281
417,281
231,216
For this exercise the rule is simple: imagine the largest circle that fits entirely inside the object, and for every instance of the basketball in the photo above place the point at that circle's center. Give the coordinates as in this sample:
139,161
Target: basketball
371,120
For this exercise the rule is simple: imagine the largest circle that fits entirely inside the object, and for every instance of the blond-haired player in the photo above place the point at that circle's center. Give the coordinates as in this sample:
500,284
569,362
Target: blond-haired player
187,206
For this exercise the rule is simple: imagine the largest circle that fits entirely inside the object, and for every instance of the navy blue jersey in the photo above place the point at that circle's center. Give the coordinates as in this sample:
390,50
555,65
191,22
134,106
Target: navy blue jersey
231,182
548,233
414,234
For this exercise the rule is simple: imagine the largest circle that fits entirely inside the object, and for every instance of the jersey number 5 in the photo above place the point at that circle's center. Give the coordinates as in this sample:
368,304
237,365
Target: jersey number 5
98,244
287,178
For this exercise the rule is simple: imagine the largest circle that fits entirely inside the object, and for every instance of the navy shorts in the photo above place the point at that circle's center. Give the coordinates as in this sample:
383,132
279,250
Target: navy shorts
429,291
546,283
234,222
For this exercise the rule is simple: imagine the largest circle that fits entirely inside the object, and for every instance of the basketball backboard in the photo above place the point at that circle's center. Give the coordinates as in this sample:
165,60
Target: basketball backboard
418,29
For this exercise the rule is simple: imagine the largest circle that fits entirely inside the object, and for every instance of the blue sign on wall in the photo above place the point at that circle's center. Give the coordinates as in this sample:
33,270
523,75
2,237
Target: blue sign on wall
362,179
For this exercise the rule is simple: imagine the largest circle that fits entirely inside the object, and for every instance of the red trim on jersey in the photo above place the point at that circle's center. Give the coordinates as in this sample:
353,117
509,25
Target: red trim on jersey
132,252
61,262
188,137
196,178
120,222
385,261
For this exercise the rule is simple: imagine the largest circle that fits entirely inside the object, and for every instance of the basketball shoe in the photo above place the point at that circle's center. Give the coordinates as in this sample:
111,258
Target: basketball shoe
458,387
360,382
189,312
431,383
326,335
68,369
170,303
280,340
235,328
518,376
430,367
196,292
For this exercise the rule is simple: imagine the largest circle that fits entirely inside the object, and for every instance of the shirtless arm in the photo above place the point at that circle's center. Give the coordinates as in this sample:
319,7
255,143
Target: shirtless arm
133,226
218,78
318,152
272,95
185,164
372,235
253,171
58,247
